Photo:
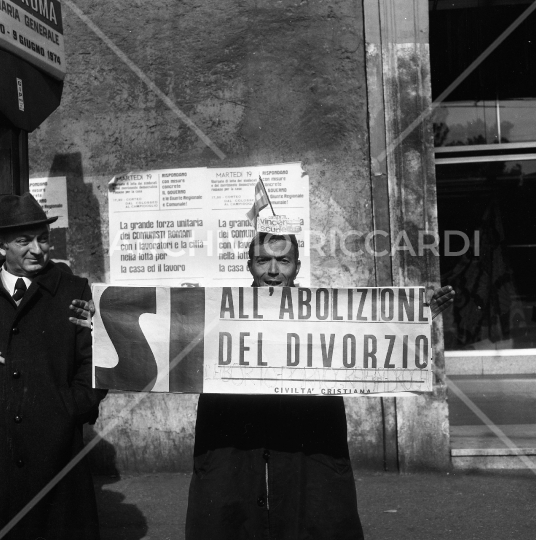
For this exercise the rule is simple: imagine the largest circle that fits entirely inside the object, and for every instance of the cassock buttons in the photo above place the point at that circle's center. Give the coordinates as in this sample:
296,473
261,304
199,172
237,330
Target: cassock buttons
18,419
15,330
20,463
266,455
16,374
261,501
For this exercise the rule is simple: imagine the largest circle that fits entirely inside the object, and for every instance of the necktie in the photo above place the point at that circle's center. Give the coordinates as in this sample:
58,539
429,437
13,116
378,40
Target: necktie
20,289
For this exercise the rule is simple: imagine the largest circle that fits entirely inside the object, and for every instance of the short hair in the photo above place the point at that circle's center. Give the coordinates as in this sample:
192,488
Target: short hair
267,238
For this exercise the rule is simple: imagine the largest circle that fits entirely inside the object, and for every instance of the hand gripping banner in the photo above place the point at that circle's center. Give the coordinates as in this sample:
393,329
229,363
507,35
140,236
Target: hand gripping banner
269,340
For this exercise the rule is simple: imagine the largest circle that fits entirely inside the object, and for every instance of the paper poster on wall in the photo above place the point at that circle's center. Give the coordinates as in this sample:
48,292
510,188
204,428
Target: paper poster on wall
188,227
265,340
51,194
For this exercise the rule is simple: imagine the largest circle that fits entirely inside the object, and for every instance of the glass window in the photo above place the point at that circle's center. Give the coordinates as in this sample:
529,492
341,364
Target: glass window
469,34
488,252
462,123
465,123
518,120
485,94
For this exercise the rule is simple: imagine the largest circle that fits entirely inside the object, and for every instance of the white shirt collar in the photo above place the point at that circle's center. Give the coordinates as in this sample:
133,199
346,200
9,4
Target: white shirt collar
9,280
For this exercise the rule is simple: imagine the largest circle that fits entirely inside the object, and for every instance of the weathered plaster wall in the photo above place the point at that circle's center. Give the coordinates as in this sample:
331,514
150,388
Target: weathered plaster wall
150,432
267,82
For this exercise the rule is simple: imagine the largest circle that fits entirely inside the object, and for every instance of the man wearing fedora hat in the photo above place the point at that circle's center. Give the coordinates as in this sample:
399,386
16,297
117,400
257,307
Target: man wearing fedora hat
45,386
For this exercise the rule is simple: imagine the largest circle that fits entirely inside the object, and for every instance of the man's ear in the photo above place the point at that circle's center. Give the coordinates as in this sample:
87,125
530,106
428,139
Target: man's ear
249,265
298,266
2,249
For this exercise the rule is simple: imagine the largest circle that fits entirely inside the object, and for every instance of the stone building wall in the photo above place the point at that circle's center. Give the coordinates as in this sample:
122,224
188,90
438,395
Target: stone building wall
167,84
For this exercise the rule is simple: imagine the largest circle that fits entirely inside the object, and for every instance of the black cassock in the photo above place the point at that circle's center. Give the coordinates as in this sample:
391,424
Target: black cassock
272,467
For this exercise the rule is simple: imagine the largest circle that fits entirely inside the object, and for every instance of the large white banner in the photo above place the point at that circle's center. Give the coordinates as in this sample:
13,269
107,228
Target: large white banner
188,227
268,340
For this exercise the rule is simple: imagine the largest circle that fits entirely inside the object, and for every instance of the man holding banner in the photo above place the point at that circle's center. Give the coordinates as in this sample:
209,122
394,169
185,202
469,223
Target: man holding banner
273,466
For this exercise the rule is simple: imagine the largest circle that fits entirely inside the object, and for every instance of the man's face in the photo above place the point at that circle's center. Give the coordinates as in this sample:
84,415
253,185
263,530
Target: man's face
26,251
274,264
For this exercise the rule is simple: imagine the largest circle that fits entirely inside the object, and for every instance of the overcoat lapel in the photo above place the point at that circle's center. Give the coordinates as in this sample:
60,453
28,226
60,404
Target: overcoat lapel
48,279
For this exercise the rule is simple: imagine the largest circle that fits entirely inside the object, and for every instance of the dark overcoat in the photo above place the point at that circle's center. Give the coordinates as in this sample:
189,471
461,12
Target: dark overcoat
272,468
45,397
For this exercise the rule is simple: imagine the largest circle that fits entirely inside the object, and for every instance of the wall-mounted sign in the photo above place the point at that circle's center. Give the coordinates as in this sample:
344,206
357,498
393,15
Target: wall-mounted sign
51,194
187,227
33,30
267,340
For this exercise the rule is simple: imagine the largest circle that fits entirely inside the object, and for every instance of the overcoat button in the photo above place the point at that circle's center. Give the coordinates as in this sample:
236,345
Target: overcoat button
260,501
266,455
16,374
18,419
15,330
20,463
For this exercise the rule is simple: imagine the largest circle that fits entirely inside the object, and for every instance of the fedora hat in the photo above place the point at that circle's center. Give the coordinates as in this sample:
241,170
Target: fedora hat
21,211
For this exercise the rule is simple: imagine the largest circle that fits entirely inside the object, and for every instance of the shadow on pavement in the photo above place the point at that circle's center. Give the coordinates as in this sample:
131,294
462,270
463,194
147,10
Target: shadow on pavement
118,518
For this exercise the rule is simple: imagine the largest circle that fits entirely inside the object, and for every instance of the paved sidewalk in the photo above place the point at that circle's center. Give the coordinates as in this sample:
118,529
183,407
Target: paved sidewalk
480,506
